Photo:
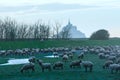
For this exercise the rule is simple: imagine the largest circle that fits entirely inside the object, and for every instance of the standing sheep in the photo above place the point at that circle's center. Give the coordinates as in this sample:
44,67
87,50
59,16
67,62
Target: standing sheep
29,66
107,64
81,56
113,58
65,58
55,54
44,65
101,56
58,64
87,64
114,67
75,63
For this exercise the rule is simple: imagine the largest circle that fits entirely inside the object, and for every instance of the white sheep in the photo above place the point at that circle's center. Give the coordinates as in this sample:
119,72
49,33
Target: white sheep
44,65
101,55
107,64
113,58
29,66
75,63
118,60
87,64
58,64
114,67
81,56
65,58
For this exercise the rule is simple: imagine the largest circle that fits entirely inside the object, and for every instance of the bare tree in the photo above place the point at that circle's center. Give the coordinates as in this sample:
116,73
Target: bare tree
65,33
57,29
1,29
22,31
9,29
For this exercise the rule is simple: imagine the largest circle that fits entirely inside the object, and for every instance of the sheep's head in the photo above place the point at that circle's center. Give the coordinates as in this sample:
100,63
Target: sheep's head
39,61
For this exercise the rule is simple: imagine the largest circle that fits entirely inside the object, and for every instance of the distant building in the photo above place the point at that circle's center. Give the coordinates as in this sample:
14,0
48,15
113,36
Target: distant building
74,33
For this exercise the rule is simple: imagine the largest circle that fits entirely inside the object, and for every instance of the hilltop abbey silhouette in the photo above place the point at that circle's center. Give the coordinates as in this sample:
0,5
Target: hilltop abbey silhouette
74,32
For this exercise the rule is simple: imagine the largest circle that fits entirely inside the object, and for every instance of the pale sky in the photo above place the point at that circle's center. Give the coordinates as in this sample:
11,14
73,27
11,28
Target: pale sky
88,15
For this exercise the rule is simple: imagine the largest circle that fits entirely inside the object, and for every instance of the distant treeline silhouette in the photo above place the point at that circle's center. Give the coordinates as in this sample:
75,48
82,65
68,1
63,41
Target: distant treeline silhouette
11,30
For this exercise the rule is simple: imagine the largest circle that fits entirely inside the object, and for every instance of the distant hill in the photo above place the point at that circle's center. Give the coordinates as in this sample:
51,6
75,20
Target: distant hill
74,33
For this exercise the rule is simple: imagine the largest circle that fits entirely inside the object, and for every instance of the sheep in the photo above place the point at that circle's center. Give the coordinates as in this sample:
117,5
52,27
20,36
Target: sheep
44,65
55,54
81,56
75,63
114,67
65,58
31,59
87,64
118,60
70,55
107,64
101,55
58,64
27,67
113,58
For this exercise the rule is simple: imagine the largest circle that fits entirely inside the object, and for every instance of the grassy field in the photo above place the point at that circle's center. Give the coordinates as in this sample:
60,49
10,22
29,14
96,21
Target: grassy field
55,43
12,72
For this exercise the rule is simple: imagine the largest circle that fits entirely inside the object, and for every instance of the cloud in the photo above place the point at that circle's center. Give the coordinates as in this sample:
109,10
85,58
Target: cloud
38,2
53,7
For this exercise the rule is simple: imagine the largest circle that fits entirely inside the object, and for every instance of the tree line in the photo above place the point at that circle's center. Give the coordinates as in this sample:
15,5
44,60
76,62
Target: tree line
11,30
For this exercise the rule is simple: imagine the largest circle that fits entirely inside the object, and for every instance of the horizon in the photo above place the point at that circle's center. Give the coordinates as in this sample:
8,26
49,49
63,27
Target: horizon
88,15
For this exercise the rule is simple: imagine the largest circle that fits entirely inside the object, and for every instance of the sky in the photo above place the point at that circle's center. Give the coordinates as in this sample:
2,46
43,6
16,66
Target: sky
88,15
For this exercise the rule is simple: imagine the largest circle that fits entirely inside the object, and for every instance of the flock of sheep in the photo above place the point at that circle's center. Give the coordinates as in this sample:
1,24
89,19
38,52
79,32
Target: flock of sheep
56,65
65,54
111,55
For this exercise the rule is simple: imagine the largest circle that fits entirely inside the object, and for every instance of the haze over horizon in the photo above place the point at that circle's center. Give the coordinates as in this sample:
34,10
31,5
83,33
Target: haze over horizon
88,15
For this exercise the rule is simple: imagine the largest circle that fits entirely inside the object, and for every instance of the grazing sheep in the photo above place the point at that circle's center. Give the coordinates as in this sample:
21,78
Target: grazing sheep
107,64
27,67
87,64
55,54
71,56
58,64
81,56
113,58
65,58
114,67
101,55
44,65
75,63
31,59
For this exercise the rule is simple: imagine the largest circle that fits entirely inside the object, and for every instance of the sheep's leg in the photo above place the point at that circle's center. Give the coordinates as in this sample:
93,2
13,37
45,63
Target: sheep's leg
116,70
85,68
111,71
33,69
21,70
91,69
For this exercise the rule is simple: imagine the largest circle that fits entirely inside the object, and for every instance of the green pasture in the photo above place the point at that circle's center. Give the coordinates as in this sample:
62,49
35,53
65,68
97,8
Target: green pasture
55,43
12,72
